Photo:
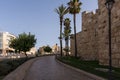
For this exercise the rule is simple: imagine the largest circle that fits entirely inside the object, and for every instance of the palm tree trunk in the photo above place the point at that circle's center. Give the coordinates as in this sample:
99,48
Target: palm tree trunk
67,45
75,35
61,36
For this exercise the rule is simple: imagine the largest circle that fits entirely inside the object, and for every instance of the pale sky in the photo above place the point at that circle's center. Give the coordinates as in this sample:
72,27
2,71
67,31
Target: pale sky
38,17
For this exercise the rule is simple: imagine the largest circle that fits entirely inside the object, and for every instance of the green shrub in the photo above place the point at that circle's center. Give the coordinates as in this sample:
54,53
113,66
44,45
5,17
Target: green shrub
8,65
4,69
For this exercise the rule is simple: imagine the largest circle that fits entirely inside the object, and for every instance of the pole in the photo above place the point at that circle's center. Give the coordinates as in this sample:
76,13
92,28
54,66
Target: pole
110,50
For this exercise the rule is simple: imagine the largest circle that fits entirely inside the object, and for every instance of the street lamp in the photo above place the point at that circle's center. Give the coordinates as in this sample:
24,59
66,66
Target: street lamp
109,5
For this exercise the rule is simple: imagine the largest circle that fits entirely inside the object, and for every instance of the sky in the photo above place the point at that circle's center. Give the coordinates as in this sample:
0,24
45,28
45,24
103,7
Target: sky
38,17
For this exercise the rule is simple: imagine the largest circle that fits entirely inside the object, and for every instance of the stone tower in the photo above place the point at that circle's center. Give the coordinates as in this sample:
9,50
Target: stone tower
93,39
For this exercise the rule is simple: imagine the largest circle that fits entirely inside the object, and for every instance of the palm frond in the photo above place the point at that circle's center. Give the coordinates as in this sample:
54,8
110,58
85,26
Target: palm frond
57,11
61,10
74,6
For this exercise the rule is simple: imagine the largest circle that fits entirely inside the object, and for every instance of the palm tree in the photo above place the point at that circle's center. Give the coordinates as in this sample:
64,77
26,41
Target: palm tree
61,11
74,8
67,31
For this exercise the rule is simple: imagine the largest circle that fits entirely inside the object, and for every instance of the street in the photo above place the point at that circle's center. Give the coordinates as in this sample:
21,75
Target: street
46,68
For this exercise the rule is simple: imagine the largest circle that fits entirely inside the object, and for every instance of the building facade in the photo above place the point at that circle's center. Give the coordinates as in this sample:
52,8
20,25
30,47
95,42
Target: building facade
92,41
33,51
5,38
55,49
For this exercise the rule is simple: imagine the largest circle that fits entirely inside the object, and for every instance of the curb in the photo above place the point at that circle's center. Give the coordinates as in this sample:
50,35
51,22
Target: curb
94,77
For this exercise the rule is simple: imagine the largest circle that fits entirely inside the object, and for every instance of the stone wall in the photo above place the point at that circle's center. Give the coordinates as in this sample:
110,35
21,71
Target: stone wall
86,39
103,47
92,41
88,46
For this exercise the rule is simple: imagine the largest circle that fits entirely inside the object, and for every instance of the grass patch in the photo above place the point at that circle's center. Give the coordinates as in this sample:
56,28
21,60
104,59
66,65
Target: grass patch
91,67
8,65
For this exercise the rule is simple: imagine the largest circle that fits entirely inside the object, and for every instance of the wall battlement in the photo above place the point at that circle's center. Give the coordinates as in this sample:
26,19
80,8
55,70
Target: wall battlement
85,13
92,41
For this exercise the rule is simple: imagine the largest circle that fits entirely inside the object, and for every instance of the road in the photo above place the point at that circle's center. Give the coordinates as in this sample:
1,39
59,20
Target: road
46,68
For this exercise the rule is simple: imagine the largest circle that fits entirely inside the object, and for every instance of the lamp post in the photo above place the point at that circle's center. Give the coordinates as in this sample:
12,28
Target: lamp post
109,5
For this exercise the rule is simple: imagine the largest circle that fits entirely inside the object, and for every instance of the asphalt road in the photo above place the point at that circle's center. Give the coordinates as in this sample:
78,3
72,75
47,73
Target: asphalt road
46,68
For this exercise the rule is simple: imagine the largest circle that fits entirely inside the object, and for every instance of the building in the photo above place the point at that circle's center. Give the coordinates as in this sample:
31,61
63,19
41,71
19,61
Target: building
41,50
5,38
33,51
55,49
92,41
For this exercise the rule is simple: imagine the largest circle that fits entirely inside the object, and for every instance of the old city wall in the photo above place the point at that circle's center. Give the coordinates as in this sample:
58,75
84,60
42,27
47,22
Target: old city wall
92,41
86,39
79,43
88,48
102,30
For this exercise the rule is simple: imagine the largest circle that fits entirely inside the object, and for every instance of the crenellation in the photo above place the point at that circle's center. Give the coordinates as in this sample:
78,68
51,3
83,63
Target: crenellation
92,41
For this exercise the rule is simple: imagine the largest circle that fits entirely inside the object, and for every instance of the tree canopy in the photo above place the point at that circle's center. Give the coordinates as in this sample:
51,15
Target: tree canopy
24,42
47,49
74,6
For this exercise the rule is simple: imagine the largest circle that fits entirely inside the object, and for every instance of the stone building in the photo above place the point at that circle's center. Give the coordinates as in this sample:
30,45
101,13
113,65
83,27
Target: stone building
55,49
92,41
41,50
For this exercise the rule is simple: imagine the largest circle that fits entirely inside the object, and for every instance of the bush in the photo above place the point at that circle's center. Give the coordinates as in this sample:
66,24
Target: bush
8,65
4,69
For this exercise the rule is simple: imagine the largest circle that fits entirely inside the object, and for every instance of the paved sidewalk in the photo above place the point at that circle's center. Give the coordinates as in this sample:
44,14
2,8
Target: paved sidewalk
46,68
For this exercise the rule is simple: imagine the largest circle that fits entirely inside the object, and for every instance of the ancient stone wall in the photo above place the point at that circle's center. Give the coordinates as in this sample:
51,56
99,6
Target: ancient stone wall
103,47
88,47
86,39
79,43
92,41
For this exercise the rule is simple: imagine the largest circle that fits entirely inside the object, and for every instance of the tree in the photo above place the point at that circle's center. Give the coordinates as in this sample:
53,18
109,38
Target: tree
67,31
74,8
24,42
61,11
47,49
14,43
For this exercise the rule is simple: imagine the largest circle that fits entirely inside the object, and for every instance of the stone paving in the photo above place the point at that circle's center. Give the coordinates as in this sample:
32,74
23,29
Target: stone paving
46,68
